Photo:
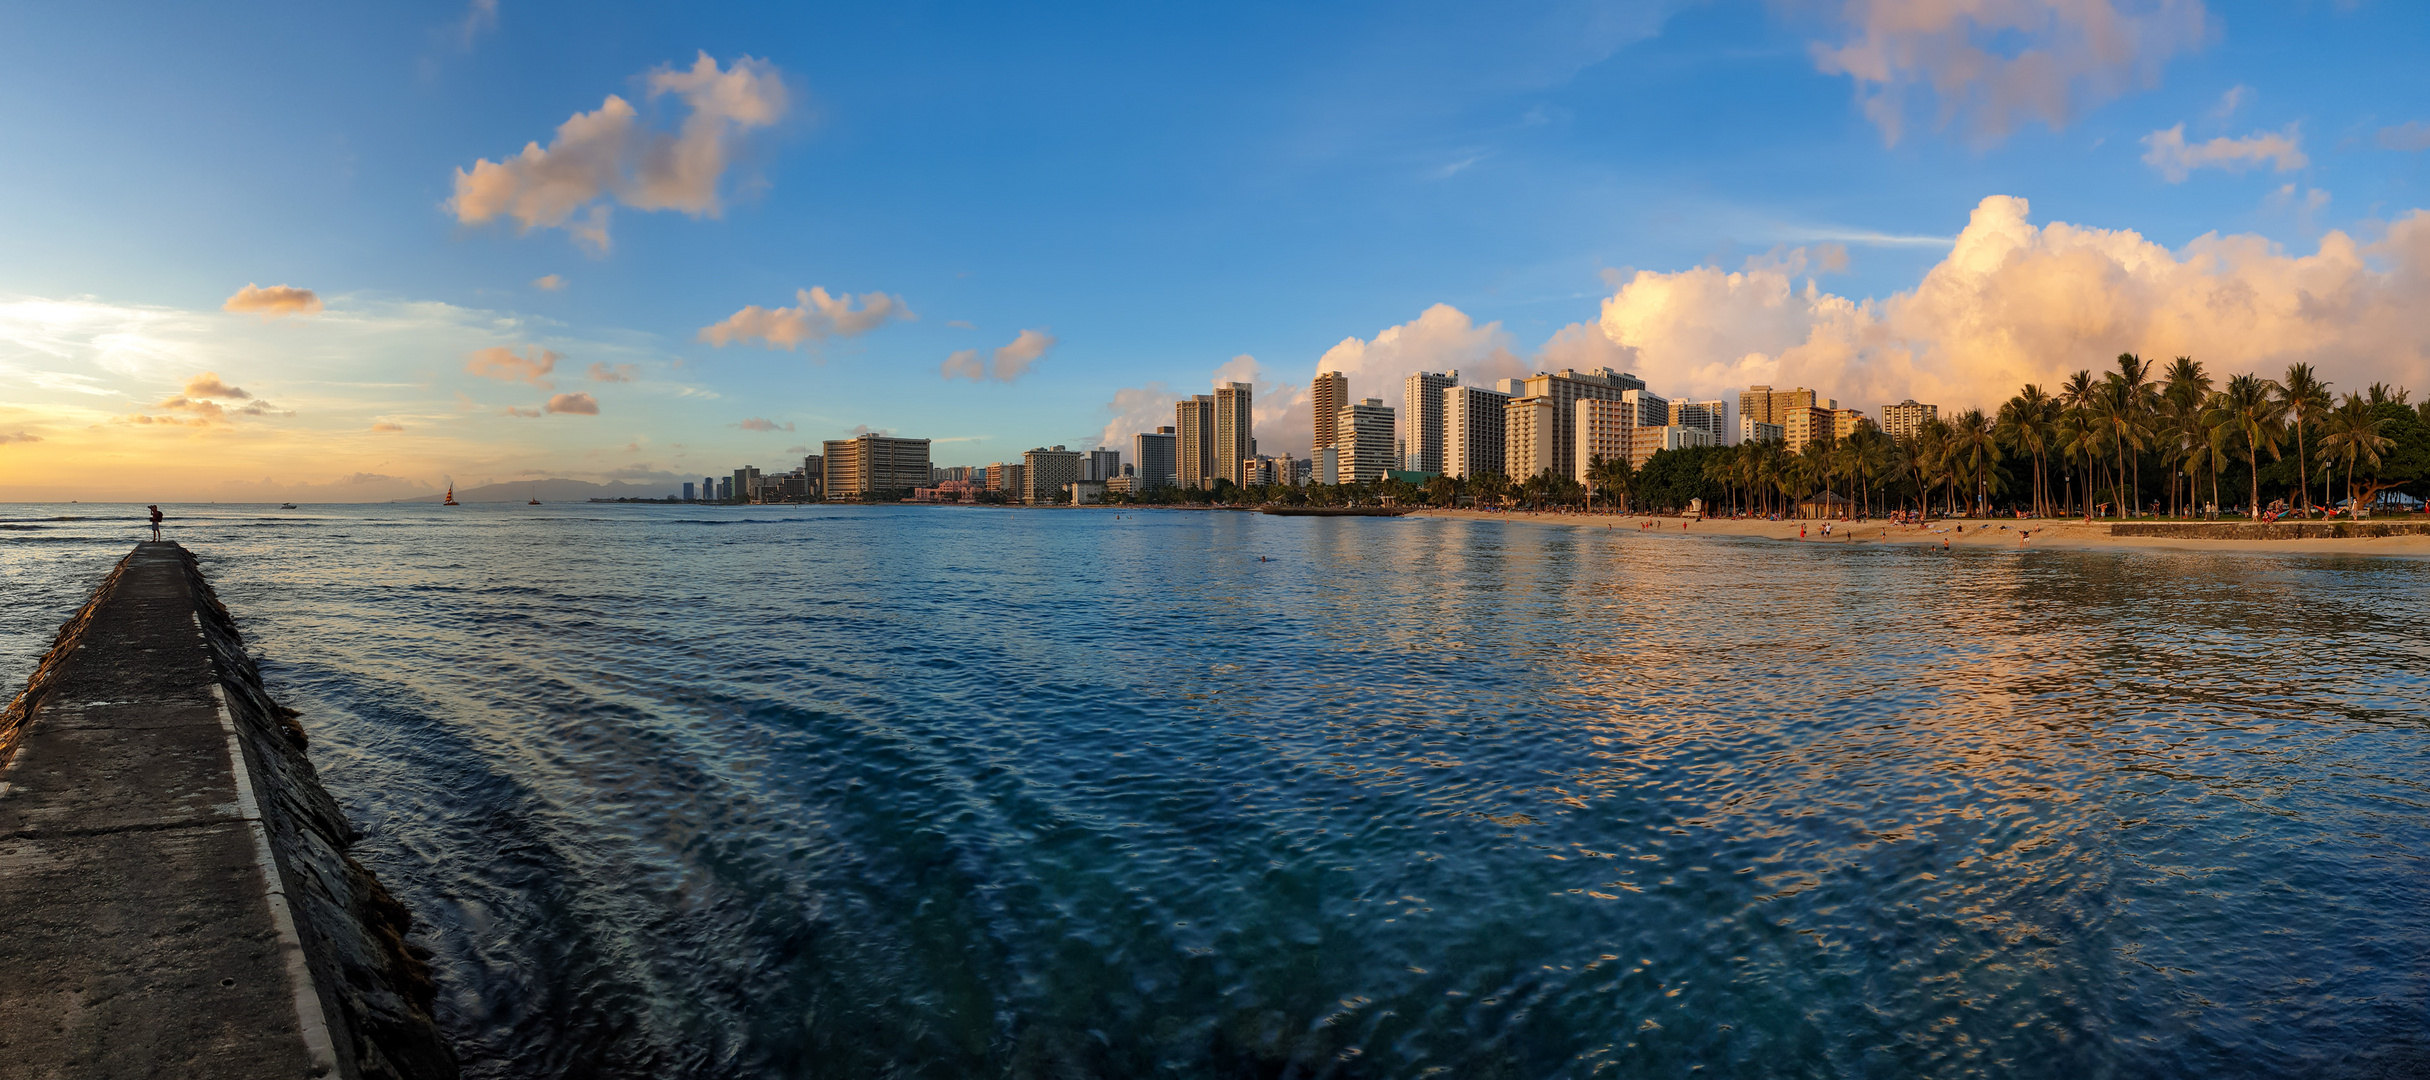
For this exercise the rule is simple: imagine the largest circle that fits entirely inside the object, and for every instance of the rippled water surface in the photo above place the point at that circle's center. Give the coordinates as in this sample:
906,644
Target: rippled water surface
944,792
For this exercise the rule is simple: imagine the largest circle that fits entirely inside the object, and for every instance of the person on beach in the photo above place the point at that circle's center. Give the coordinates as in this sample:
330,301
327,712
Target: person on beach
155,521
1801,532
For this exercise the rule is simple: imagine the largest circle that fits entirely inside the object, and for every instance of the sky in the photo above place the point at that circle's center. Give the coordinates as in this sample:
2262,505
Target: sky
281,251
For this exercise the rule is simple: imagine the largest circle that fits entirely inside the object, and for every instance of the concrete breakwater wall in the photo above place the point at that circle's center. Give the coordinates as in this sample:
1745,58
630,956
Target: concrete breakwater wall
177,893
2276,530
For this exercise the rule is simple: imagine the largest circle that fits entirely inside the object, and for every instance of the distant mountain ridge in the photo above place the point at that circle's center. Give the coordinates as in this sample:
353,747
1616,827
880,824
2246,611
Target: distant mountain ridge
555,489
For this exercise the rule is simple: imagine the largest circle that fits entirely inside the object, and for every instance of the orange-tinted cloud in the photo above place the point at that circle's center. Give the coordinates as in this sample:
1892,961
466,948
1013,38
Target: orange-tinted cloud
760,424
500,362
275,302
620,373
385,426
1990,65
578,404
608,156
207,410
2168,152
208,385
549,282
819,316
1006,363
2412,136
7,437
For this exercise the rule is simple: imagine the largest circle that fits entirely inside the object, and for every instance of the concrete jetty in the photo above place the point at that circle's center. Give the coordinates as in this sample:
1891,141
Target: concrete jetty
177,896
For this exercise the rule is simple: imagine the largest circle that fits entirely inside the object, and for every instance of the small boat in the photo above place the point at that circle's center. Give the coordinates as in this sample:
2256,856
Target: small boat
451,495
535,496
534,502
286,506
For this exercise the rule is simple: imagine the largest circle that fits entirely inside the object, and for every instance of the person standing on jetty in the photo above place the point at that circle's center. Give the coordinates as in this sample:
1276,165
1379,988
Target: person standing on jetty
155,508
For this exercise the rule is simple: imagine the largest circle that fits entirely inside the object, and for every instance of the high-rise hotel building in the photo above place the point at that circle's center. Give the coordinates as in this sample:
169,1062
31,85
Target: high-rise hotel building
1603,429
1363,438
1046,471
1234,425
1804,424
1765,405
1194,423
1472,431
872,462
1155,458
1328,395
1563,389
1711,417
1422,419
1905,419
1530,436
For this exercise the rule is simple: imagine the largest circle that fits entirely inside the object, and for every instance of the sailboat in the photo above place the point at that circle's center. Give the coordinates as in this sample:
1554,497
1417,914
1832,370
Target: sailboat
535,496
451,494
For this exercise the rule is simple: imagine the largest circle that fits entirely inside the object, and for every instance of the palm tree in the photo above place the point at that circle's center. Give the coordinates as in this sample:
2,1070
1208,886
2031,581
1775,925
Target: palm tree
1926,455
2123,407
1615,478
2076,397
2250,412
2184,390
1974,449
2142,404
2025,425
1813,468
1535,488
2303,396
1494,486
2354,434
1720,467
1868,452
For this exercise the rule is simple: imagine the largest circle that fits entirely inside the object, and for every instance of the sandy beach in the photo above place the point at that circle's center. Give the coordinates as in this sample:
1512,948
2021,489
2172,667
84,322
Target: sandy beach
1995,533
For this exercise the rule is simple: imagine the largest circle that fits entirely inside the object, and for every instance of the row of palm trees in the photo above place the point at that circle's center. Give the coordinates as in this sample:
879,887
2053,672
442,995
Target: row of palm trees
2100,429
2104,427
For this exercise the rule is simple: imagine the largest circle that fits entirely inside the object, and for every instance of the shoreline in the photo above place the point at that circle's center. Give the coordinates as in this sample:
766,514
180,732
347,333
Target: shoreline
2062,533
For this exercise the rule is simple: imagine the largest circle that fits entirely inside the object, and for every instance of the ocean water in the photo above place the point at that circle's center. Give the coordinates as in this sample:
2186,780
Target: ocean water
906,792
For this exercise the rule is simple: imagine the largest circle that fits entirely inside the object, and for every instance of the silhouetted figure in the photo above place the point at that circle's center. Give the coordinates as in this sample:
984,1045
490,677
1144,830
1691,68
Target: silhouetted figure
155,522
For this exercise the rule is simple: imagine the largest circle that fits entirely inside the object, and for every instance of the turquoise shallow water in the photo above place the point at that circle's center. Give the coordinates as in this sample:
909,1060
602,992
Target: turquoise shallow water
944,792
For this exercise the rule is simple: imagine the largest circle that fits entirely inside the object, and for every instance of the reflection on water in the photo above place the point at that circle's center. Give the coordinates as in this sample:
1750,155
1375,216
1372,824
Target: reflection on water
812,792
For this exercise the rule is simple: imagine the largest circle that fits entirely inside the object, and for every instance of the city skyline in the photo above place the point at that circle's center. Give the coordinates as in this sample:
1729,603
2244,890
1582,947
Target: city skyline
496,241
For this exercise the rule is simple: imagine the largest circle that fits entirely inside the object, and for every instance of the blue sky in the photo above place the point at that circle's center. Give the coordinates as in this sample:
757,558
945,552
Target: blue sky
1161,191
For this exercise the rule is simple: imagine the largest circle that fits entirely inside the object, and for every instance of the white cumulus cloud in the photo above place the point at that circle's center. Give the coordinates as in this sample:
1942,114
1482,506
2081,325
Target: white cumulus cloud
2014,303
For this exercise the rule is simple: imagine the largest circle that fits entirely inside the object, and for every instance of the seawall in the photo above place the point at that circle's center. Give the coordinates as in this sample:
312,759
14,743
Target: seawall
2275,530
178,897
